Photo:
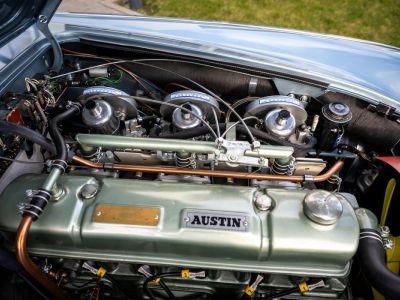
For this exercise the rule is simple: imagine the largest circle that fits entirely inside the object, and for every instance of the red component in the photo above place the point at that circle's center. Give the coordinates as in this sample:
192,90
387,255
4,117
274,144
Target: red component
393,161
15,117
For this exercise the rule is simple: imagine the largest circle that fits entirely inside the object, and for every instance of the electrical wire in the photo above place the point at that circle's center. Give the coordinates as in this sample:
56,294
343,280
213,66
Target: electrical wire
178,85
110,60
157,276
115,282
143,99
115,64
280,294
142,62
118,80
176,106
236,105
236,123
216,122
82,54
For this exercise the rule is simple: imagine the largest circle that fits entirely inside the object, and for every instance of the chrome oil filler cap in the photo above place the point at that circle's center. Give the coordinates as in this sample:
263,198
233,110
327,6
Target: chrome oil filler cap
322,207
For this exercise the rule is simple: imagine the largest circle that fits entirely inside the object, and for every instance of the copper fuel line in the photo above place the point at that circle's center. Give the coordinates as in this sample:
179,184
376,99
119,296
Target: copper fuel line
215,173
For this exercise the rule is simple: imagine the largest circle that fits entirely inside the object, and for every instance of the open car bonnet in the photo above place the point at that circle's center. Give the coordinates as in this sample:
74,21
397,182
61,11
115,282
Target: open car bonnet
17,15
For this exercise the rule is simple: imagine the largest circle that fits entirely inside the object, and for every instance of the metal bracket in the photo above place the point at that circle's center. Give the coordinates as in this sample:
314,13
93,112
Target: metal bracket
43,25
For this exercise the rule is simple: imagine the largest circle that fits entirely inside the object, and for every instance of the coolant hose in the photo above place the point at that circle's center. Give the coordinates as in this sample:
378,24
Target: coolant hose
40,199
372,259
28,134
262,135
371,255
56,135
42,196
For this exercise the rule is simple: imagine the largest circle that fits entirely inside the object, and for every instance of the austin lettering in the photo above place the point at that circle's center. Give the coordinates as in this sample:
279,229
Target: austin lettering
216,221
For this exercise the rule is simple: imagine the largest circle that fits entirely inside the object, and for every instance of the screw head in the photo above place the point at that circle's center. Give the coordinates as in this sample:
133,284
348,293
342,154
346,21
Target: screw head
98,213
89,190
43,19
263,202
233,157
186,219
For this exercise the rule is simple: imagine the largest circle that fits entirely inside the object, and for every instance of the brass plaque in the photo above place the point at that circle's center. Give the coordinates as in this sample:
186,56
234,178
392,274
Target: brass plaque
127,215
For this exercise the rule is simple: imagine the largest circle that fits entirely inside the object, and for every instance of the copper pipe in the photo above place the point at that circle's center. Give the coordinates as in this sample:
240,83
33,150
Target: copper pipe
215,173
30,267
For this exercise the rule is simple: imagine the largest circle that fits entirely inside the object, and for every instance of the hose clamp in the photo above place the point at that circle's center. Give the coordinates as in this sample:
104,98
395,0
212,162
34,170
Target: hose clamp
60,164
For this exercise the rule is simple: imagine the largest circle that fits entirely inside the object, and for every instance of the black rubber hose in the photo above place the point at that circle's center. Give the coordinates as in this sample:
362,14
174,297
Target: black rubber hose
28,134
262,135
41,198
372,260
56,135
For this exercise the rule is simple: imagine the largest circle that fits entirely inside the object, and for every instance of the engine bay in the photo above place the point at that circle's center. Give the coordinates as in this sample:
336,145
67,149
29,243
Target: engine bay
150,176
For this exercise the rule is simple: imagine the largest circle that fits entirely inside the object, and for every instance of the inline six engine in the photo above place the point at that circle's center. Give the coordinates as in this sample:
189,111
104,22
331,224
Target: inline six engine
153,185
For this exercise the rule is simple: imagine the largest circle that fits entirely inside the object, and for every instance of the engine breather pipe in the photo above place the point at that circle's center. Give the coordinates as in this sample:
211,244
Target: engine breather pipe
32,210
215,173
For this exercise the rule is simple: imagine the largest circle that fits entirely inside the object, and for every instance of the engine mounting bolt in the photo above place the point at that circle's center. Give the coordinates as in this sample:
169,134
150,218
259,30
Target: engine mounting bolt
89,190
263,202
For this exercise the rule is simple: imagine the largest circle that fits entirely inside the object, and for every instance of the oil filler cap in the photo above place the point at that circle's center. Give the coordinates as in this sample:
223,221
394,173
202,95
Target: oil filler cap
322,207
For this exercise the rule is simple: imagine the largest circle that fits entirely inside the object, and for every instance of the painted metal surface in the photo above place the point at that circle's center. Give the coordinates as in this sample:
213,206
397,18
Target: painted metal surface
90,141
282,240
363,69
15,47
366,69
393,161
